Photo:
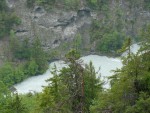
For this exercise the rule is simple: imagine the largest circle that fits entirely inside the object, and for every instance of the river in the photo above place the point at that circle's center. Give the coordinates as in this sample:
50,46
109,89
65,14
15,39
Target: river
106,65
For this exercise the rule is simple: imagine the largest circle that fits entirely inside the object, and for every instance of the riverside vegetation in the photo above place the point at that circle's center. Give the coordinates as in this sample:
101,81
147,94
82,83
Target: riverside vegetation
75,89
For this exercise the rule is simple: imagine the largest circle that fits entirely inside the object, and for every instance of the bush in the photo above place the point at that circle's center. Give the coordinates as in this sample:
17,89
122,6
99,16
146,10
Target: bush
111,42
7,19
30,3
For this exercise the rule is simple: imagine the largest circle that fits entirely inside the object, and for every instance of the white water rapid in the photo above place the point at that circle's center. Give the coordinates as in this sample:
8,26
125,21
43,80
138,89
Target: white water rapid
106,64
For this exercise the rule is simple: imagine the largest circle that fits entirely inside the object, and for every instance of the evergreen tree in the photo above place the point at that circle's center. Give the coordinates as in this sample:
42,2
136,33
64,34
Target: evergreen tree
73,89
16,105
130,89
38,54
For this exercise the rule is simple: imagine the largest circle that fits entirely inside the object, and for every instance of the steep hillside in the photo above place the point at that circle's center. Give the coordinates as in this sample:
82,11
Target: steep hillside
102,25
36,32
57,25
54,27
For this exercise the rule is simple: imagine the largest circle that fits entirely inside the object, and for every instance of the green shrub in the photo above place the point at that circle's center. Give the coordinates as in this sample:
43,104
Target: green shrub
30,3
110,42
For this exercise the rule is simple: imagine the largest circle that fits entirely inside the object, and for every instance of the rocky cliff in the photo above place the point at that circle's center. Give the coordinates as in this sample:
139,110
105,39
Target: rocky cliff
54,27
58,26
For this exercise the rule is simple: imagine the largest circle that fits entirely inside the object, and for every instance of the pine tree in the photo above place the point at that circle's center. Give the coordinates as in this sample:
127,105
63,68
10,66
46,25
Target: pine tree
72,89
16,106
39,56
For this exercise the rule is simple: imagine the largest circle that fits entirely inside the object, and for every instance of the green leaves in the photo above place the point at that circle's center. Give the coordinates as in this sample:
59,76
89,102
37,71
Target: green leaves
72,89
7,74
32,67
129,92
11,75
39,55
7,19
98,4
77,43
30,3
16,105
3,6
110,42
92,85
33,54
141,106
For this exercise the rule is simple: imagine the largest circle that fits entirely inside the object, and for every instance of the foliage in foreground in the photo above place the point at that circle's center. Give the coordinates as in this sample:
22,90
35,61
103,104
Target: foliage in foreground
72,89
130,86
25,60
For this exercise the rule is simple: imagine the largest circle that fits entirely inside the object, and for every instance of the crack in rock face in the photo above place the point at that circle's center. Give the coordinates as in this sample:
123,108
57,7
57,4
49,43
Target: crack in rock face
84,12
38,11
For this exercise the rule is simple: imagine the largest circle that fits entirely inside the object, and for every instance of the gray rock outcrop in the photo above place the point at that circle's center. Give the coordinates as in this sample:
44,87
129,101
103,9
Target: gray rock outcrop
53,28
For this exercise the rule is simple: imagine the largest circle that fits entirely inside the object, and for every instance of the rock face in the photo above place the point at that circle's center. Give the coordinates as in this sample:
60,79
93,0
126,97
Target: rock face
53,28
58,26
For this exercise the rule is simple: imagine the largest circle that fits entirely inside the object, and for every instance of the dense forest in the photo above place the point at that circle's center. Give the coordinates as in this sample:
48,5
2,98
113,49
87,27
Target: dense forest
74,88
